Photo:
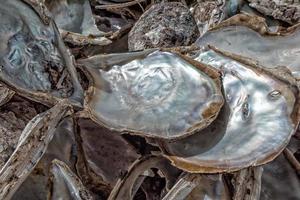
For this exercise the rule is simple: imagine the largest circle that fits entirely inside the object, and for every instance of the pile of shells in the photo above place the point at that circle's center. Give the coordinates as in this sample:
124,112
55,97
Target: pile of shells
149,100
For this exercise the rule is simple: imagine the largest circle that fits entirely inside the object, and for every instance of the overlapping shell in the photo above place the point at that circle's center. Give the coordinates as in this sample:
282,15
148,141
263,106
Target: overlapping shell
254,125
159,95
249,36
34,59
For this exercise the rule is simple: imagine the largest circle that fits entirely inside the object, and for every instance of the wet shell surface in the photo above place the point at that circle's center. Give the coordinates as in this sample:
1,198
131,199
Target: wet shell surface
161,95
32,59
270,49
253,127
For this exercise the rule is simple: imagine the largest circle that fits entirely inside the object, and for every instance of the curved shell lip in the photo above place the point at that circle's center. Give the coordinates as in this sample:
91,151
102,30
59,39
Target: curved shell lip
211,112
41,97
287,78
205,166
255,23
45,97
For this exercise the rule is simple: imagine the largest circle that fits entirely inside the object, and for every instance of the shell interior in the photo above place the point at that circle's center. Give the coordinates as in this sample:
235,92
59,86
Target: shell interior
252,128
270,51
161,95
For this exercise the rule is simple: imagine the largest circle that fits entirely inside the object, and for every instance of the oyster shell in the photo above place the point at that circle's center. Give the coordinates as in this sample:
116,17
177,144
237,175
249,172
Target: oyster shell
65,184
34,60
14,116
159,95
247,183
288,11
5,94
249,36
253,127
200,187
74,16
62,147
31,146
76,22
165,24
126,187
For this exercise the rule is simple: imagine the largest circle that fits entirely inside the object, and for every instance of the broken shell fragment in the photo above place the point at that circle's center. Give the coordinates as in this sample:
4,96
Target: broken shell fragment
76,22
159,95
247,183
127,186
207,14
61,147
34,61
166,24
253,127
14,116
249,36
31,146
288,11
65,184
5,94
200,187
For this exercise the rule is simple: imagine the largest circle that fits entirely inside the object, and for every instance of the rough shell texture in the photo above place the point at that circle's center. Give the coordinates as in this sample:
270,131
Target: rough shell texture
207,14
288,11
161,96
13,118
253,127
65,184
61,147
31,146
270,49
163,25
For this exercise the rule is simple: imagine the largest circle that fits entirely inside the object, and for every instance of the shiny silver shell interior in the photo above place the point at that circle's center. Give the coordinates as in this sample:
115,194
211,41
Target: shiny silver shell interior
160,94
255,124
249,36
34,59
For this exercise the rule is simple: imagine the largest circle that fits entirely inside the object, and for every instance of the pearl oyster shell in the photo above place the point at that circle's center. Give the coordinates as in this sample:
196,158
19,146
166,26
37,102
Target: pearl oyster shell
34,60
158,95
255,124
249,36
32,144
